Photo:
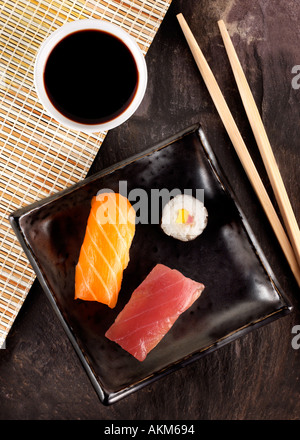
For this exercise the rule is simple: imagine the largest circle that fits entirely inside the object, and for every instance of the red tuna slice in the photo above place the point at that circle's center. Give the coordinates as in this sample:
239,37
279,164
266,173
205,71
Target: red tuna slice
152,310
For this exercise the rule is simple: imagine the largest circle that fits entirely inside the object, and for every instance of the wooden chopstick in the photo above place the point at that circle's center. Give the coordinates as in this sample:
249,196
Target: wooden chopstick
240,147
263,143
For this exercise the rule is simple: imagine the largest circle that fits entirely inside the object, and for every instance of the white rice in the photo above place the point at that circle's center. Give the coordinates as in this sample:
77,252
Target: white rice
184,231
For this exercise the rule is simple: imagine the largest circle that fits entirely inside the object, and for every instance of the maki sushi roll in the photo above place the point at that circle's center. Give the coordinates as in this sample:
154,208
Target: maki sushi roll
184,217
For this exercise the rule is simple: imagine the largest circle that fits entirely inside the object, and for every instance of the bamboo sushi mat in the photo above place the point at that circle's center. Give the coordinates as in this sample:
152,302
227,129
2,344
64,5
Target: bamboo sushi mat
39,157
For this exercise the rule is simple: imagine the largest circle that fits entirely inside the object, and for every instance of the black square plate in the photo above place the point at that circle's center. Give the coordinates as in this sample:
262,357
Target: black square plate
241,292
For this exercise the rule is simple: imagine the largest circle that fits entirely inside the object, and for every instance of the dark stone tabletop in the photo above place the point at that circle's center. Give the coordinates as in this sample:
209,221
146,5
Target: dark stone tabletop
256,376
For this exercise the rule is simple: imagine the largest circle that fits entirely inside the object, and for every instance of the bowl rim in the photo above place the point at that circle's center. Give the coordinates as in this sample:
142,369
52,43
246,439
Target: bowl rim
85,24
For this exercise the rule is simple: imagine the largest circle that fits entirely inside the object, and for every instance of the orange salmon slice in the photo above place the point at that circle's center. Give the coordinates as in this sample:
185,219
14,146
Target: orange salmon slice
104,253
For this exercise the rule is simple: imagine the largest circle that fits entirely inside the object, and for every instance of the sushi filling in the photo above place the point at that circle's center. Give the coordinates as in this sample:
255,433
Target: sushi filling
184,216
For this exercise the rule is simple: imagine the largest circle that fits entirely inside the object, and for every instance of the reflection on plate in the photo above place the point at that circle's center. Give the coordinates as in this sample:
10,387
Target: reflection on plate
241,292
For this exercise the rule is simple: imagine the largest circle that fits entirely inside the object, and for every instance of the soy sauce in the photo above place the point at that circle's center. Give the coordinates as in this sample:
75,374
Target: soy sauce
90,76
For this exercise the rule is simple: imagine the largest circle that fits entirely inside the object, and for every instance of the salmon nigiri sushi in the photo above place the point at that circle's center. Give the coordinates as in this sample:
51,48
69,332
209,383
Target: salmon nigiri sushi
152,310
104,253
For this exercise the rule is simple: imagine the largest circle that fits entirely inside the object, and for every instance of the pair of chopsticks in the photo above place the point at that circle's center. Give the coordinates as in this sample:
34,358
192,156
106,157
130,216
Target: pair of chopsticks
290,244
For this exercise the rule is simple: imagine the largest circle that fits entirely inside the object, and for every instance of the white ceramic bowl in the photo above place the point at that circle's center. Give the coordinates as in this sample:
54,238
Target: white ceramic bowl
61,33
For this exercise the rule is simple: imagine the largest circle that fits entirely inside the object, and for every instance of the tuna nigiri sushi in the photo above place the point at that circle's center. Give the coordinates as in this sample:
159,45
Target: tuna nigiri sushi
104,253
152,310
